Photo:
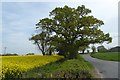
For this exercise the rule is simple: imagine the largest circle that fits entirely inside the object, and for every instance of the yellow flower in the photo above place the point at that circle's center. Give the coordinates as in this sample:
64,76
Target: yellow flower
15,65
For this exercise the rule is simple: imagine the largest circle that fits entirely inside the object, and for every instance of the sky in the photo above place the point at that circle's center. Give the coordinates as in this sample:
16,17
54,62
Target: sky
19,18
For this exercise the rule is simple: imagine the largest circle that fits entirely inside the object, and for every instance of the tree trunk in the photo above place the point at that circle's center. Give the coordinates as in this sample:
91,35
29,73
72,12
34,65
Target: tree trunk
43,53
40,48
83,51
50,52
73,53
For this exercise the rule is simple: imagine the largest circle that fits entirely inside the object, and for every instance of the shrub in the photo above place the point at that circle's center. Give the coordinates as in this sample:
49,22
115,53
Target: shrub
10,54
30,54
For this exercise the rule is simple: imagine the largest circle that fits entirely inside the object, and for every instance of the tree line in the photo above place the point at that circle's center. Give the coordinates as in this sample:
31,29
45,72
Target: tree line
68,30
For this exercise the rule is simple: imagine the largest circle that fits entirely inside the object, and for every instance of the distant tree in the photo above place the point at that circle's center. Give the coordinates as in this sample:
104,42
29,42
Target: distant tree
30,54
50,46
41,41
88,51
72,28
93,49
44,43
10,54
101,49
83,48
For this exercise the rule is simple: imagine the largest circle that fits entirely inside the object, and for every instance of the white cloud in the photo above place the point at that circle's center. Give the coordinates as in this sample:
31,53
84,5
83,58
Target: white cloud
19,20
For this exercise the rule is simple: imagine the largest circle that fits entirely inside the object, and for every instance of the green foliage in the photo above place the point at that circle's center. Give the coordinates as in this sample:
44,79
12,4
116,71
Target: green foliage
88,51
74,68
111,56
30,54
83,48
73,28
101,49
9,54
43,42
93,49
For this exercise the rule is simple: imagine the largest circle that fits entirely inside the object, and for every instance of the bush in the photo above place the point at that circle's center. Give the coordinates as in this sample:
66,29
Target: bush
101,49
93,49
9,54
88,51
30,54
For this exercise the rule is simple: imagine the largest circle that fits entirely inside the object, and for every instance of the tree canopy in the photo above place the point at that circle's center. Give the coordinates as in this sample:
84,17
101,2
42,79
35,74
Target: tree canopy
71,28
101,49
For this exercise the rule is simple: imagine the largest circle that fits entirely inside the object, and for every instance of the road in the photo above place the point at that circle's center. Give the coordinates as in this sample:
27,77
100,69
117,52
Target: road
107,69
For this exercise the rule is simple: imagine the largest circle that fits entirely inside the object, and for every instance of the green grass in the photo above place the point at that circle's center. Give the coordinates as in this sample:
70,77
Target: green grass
74,68
111,56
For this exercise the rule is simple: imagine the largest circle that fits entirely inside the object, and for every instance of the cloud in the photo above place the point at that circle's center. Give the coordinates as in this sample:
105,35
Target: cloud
19,19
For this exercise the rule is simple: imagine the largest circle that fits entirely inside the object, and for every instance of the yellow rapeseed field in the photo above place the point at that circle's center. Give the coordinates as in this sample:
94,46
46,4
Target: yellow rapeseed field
14,66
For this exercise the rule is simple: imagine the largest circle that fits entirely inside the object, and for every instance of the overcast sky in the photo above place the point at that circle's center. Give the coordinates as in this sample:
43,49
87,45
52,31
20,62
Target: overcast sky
19,19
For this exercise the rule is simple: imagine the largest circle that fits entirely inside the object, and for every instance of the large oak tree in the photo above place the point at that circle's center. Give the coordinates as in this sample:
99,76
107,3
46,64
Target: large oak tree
72,28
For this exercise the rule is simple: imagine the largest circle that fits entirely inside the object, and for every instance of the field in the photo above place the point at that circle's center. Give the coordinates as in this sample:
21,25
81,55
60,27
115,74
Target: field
14,66
111,56
45,67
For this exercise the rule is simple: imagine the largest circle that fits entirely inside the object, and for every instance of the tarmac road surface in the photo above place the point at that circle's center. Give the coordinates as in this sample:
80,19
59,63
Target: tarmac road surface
107,69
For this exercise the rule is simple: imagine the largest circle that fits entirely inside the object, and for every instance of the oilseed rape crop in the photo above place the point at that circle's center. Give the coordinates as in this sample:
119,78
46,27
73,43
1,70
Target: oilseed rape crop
14,66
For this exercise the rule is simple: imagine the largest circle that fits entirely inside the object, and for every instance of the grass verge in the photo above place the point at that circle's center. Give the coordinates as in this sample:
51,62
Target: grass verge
110,56
74,68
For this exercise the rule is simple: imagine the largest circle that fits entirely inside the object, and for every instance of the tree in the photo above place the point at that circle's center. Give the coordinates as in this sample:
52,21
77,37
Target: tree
41,41
10,54
101,49
83,48
73,28
93,49
30,54
88,51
